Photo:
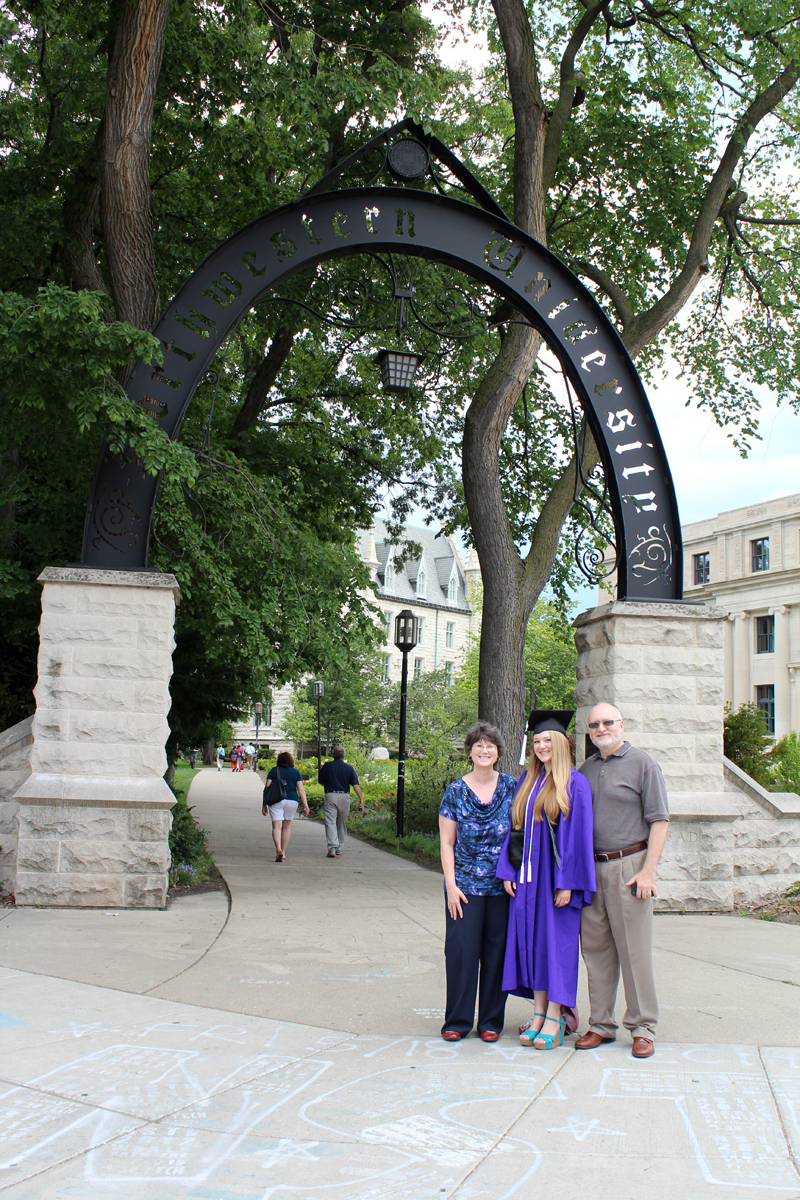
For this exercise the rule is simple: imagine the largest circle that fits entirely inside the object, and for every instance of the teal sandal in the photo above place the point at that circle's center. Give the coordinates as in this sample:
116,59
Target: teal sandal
526,1034
549,1039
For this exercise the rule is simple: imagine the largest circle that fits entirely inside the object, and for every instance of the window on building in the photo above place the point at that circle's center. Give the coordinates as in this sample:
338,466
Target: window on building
448,672
759,554
387,616
384,667
765,699
388,576
417,668
422,583
702,567
452,589
450,629
420,627
765,635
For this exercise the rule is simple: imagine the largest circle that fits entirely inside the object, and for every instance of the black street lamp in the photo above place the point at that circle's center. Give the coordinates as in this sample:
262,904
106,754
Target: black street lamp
406,636
319,692
258,710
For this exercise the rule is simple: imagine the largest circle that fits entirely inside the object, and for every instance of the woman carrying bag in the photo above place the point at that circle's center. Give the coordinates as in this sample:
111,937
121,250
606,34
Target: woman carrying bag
283,791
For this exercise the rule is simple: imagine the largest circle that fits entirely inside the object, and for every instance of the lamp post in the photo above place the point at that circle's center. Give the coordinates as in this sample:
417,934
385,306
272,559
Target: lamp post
258,710
398,368
319,692
406,636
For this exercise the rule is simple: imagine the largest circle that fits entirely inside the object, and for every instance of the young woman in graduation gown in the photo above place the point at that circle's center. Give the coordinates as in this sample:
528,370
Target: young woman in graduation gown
547,864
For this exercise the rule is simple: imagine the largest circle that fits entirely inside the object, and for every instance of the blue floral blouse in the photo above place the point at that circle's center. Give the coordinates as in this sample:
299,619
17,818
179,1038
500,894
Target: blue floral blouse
480,834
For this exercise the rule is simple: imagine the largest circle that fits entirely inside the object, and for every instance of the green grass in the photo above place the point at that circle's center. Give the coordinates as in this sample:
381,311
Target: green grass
192,861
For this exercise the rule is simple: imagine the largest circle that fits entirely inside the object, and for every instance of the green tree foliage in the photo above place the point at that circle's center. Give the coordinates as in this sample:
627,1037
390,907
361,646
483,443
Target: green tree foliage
747,742
786,760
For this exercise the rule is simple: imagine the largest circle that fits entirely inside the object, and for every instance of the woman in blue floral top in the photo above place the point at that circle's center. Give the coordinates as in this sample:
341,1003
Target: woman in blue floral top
474,818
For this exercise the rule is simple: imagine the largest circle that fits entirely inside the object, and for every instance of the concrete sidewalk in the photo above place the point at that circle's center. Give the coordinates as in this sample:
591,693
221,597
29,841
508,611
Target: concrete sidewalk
290,1049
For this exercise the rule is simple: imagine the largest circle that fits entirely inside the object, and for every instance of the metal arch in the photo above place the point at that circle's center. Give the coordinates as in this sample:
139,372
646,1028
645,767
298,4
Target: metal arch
353,221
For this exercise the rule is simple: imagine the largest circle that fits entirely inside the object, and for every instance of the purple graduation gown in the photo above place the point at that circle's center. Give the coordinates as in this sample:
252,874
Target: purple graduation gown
542,941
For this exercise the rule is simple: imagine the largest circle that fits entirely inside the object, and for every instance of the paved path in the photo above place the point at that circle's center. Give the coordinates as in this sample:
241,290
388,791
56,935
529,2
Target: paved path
289,1050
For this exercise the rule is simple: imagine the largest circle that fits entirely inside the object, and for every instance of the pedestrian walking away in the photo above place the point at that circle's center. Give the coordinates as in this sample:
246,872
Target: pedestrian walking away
282,812
337,778
631,821
220,757
474,819
193,758
547,864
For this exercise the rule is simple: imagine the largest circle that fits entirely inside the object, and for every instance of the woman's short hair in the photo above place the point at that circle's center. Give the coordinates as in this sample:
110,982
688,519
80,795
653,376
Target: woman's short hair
285,759
484,730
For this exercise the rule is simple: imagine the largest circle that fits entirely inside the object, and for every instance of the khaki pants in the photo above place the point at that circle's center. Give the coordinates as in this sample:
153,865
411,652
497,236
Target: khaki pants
336,807
617,935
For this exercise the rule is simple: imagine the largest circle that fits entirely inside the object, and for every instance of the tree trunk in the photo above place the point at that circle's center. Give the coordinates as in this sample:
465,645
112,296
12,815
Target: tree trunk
79,211
127,202
208,753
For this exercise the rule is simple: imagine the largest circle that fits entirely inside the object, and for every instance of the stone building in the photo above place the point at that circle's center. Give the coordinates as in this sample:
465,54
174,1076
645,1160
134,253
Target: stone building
747,562
435,584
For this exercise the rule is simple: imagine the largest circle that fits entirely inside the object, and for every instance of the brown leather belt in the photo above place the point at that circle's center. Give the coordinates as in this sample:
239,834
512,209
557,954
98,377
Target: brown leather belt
614,854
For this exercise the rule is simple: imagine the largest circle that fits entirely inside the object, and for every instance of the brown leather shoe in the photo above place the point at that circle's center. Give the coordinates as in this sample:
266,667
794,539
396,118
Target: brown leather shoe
643,1047
591,1040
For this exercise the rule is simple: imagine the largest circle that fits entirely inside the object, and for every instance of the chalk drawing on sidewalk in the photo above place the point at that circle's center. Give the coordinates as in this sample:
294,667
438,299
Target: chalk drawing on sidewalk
580,1130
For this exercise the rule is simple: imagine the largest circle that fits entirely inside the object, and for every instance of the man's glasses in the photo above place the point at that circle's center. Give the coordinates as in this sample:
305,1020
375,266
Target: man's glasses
604,724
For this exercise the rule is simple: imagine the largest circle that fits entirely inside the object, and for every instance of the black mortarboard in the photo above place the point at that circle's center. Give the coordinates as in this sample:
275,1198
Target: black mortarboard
542,719
557,719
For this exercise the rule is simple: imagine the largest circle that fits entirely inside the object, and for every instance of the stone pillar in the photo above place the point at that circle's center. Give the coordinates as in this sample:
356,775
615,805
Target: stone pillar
662,665
783,716
94,814
742,651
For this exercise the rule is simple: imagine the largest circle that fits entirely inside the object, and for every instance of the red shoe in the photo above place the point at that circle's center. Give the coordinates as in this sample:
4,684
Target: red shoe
451,1035
489,1035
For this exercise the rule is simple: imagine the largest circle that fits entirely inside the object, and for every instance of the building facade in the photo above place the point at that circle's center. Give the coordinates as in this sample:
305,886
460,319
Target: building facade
435,584
747,561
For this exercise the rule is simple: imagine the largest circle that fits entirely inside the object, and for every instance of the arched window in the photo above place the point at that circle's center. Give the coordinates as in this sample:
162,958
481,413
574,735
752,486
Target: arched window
422,583
389,576
452,588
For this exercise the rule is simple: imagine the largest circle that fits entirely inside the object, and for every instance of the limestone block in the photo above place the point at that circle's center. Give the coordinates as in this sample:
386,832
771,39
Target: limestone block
37,854
644,631
767,834
150,696
123,663
114,858
707,895
87,694
148,760
768,862
655,689
84,758
149,826
664,749
709,691
716,866
70,891
63,822
58,630
145,891
668,659
678,868
710,633
660,717
708,747
123,601
717,839
610,660
589,636
59,599
152,636
9,814
118,728
691,777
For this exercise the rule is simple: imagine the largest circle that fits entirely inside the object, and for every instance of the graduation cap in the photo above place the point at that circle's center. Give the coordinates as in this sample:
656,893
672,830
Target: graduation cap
543,719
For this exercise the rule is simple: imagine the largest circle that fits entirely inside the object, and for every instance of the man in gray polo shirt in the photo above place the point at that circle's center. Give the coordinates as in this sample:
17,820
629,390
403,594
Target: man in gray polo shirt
631,819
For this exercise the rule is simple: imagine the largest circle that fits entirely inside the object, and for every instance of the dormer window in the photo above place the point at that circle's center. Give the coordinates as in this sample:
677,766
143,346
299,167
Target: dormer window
389,576
422,583
452,590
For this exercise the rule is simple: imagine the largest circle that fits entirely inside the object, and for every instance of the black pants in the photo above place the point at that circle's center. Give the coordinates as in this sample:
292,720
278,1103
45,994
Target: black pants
472,942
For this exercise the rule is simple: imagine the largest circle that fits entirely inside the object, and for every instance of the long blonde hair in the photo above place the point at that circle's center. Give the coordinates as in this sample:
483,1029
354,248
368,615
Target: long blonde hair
554,796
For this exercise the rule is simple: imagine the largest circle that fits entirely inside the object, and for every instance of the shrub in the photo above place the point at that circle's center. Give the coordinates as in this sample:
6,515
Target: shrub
747,742
786,757
187,841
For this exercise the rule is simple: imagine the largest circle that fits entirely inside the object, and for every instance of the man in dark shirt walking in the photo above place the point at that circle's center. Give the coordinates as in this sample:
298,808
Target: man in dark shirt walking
337,778
631,820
